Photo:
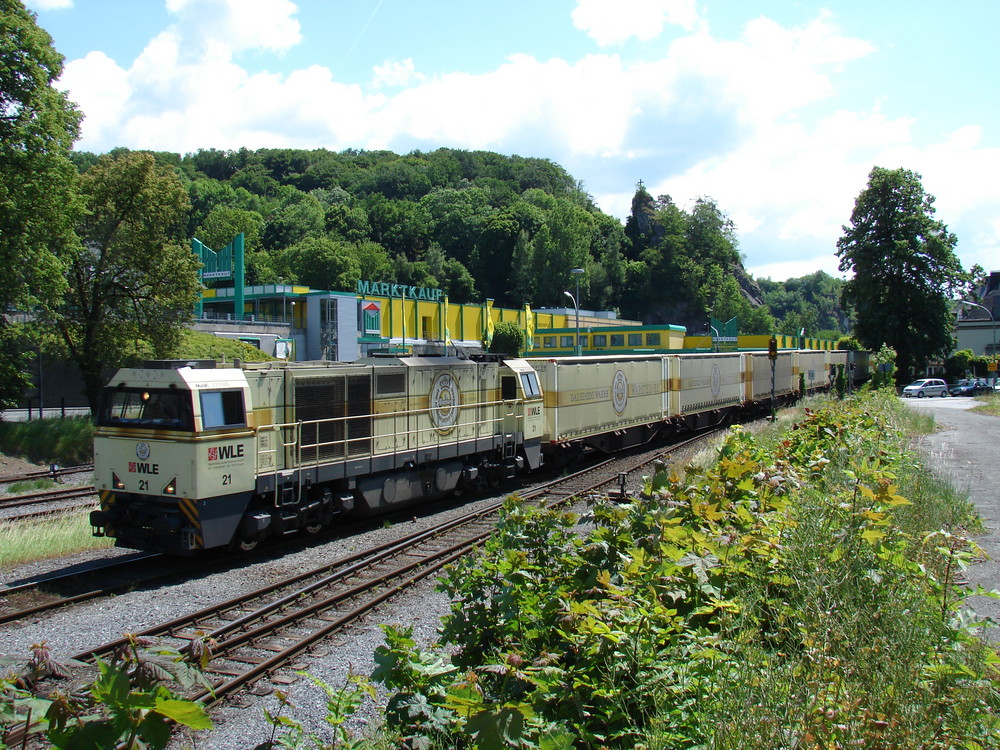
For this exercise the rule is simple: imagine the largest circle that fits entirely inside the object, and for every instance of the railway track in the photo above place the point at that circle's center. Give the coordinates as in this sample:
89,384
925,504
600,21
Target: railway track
256,635
55,502
51,473
47,496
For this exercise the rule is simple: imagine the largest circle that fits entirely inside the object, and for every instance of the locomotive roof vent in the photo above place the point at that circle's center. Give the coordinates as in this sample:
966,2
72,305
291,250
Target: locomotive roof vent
176,364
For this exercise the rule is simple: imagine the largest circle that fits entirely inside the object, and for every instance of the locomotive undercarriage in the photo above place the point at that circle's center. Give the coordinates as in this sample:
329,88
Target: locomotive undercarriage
310,499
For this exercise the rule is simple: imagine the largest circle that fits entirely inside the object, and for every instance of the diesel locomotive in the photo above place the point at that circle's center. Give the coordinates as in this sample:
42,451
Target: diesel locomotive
192,456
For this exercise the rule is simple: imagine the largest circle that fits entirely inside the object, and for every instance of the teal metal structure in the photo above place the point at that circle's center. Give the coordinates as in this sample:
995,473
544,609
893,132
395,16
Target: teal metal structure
225,264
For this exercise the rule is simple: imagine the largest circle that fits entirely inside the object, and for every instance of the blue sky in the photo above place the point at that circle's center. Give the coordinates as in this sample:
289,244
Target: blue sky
777,109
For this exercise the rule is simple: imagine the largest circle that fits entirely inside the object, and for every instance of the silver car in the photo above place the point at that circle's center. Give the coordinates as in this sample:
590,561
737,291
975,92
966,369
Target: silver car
926,387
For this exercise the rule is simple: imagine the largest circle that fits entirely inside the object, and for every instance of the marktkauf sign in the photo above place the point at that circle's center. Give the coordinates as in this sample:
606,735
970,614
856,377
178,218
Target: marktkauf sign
402,291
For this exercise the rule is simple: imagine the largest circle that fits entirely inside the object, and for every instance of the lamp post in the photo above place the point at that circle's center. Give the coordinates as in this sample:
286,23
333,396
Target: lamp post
717,336
993,322
576,303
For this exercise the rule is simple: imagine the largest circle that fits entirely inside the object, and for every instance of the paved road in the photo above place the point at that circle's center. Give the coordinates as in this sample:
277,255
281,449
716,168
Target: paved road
966,450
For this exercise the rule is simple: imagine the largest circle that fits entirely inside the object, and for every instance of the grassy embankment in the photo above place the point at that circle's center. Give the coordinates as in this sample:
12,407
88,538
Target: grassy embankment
802,591
67,442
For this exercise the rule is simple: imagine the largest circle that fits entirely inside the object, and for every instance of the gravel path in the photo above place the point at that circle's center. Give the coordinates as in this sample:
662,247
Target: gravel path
965,449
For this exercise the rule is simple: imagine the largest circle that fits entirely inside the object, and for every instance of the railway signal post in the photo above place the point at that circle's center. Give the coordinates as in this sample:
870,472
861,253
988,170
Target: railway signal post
772,354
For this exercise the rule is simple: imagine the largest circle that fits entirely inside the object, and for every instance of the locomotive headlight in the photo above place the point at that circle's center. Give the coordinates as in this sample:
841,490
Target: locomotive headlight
171,489
117,483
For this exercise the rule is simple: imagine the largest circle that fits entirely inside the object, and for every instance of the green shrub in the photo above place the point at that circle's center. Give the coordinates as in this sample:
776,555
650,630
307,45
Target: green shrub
800,592
67,442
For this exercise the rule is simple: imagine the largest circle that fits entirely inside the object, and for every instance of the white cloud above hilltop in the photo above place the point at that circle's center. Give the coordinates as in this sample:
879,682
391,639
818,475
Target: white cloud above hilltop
610,22
227,26
755,120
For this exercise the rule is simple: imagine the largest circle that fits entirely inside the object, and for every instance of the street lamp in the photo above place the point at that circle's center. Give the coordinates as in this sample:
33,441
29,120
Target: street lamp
576,303
993,322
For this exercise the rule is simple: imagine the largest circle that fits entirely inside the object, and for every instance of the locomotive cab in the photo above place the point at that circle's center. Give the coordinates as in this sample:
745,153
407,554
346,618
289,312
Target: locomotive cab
174,456
521,410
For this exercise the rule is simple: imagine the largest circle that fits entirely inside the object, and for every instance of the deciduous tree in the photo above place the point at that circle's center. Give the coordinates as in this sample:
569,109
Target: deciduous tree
133,282
38,125
904,266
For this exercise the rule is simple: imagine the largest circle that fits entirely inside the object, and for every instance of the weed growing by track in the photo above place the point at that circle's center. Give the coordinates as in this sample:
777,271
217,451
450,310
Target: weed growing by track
31,485
55,537
801,592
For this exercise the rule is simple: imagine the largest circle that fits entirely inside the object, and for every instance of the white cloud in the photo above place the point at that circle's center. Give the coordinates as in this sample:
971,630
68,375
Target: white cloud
101,89
396,73
615,21
794,269
234,25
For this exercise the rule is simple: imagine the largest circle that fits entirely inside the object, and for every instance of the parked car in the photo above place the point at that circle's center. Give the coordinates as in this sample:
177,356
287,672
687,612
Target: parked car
926,387
970,387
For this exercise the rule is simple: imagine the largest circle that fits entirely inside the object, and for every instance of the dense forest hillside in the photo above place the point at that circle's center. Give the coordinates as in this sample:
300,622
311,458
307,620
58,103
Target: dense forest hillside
478,224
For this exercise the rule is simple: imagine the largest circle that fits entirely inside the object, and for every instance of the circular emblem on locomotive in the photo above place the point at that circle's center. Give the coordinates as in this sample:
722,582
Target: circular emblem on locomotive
619,392
716,380
142,451
444,402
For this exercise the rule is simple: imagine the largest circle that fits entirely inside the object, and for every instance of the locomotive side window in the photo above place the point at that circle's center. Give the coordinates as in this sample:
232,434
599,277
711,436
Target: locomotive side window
508,388
390,383
222,409
529,381
164,408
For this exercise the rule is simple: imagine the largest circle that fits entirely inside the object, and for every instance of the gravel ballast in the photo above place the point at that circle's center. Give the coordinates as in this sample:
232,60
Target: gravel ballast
87,625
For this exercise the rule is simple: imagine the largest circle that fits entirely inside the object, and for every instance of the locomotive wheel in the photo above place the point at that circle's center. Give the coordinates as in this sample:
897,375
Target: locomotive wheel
243,544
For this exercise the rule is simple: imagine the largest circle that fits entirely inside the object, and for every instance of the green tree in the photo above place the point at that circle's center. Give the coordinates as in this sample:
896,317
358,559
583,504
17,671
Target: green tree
508,338
883,368
321,263
904,266
374,261
133,282
38,206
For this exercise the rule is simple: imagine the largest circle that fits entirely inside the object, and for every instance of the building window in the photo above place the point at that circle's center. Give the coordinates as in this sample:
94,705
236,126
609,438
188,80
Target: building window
617,339
652,339
583,341
635,339
600,340
549,342
566,342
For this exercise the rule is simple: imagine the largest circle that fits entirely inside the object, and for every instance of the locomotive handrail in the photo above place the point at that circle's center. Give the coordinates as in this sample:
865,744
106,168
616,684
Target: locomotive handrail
302,451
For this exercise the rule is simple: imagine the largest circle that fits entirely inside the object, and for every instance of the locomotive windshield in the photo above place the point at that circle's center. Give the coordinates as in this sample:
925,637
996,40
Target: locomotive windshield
155,408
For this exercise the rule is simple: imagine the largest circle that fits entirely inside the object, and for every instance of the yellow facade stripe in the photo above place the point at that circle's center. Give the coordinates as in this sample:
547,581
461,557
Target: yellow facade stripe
107,498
